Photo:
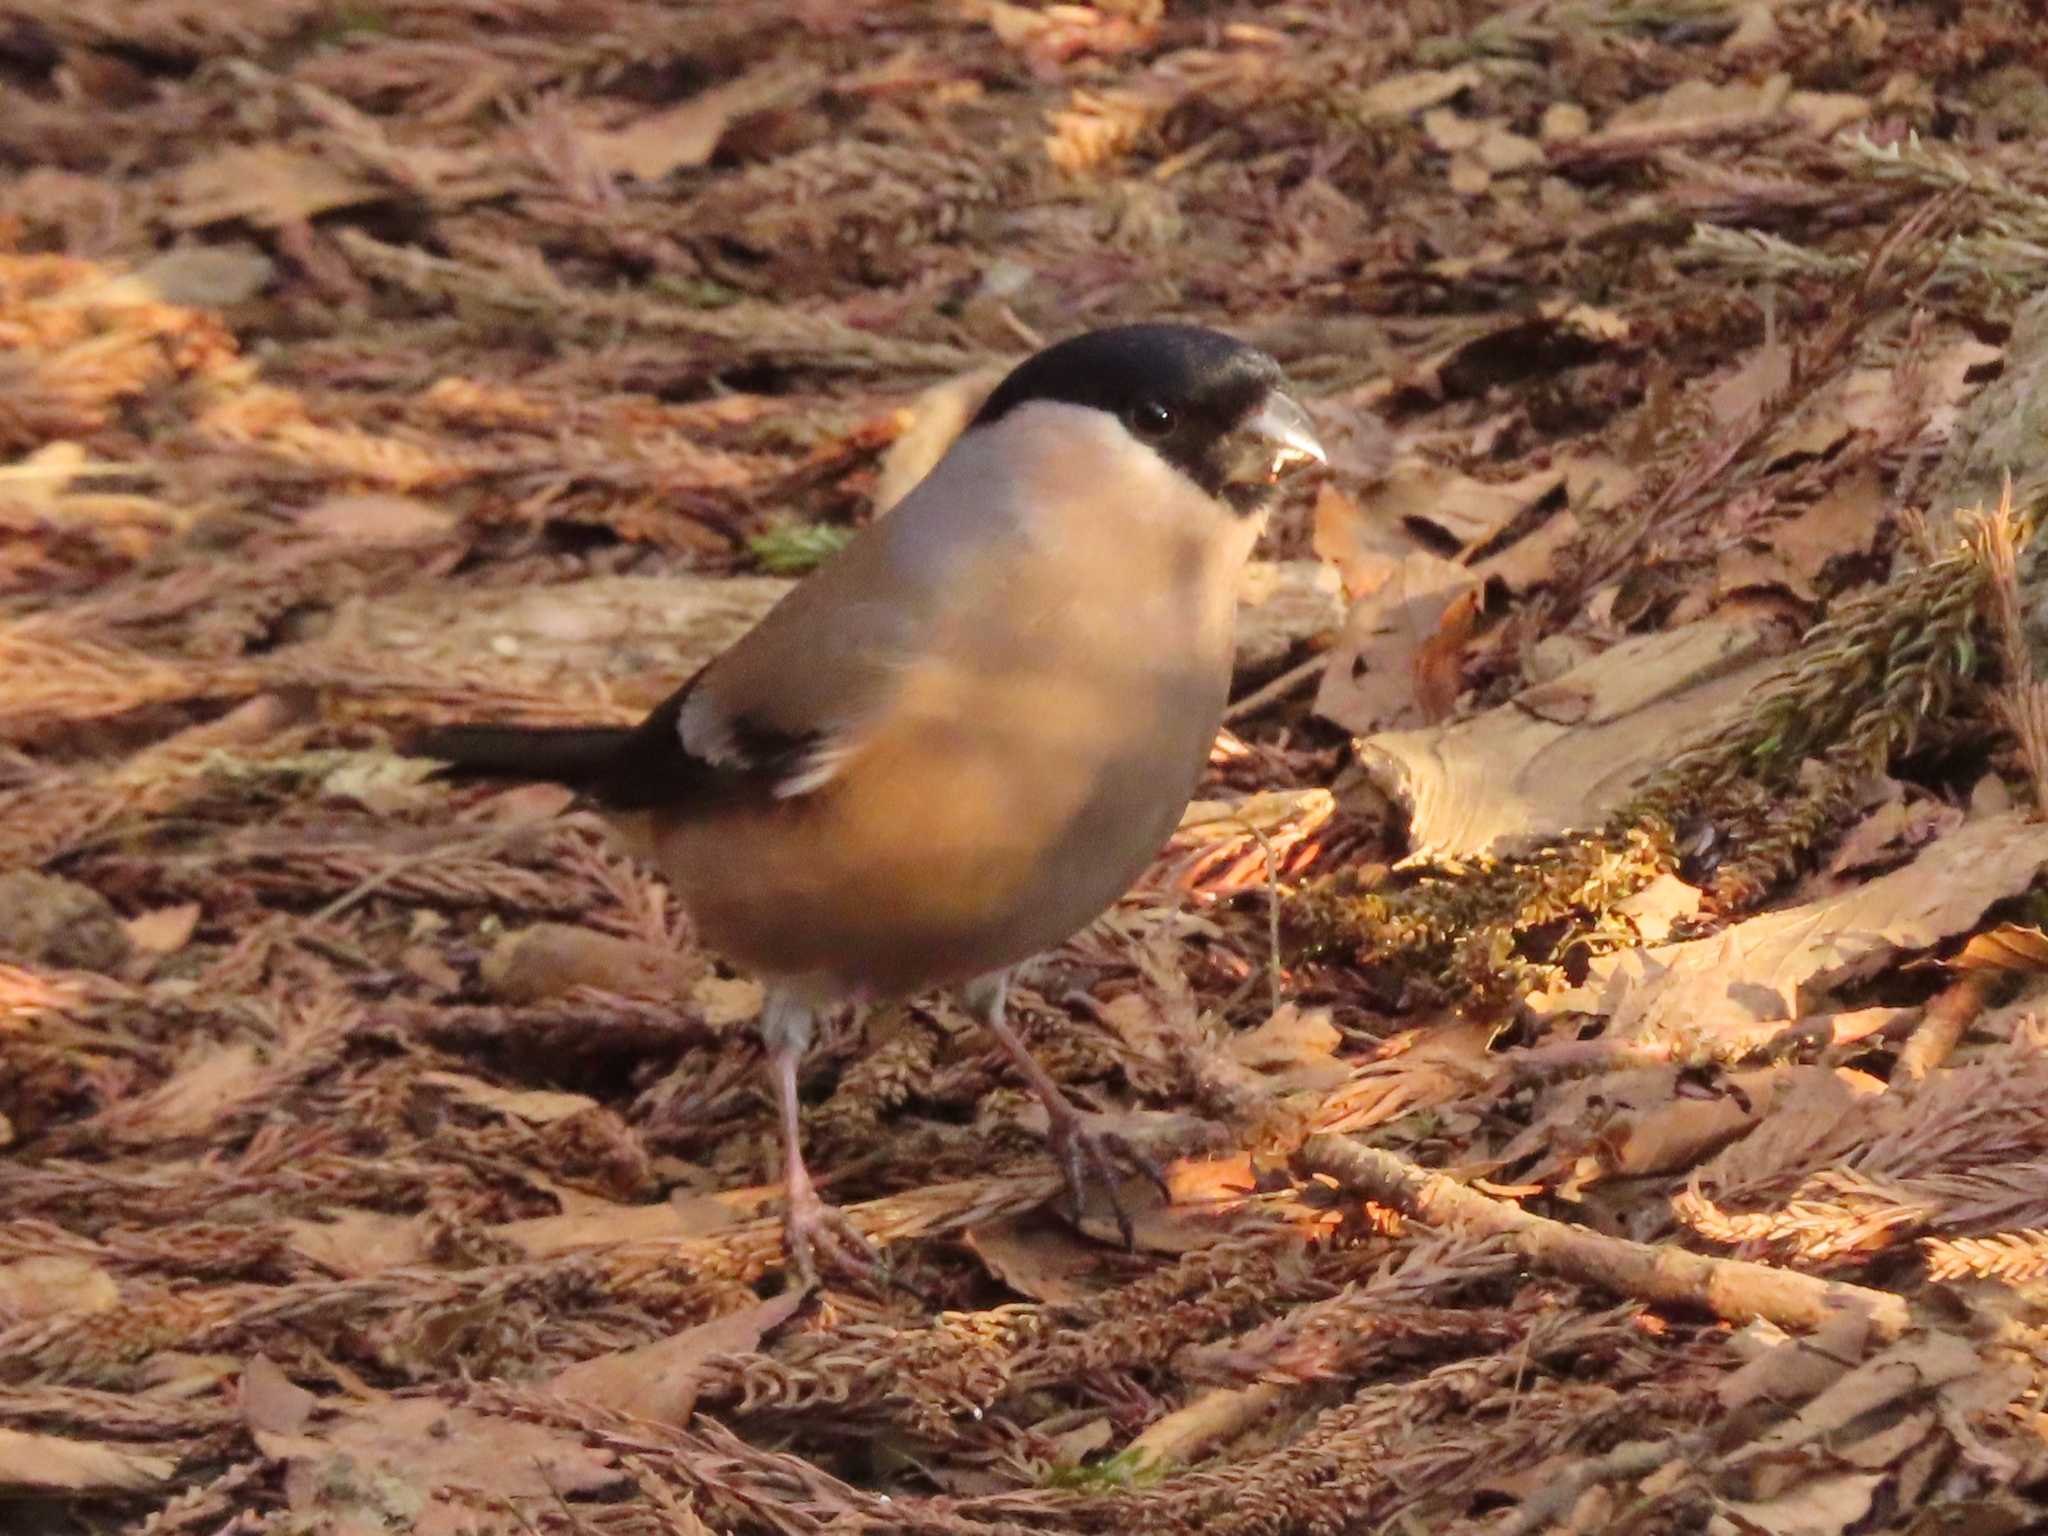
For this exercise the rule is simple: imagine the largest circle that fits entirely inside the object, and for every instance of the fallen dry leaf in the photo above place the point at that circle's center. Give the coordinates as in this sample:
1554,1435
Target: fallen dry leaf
1428,501
1698,100
541,1236
1370,682
164,930
1211,1180
1793,1369
1346,540
550,959
1692,1128
1845,521
536,1106
1891,832
2008,947
1917,1364
1889,1444
1658,906
1775,966
1875,400
47,1284
1793,553
1531,558
1038,1257
660,1381
1440,663
374,517
688,133
272,1401
1681,1130
1406,94
428,1445
1361,446
425,962
525,805
201,276
1156,1226
1294,1050
268,185
1820,1506
56,1463
1756,381
724,1002
1445,1060
190,1102
358,1243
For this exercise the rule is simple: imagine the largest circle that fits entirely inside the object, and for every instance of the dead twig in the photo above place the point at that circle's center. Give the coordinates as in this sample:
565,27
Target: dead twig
1294,680
1942,1025
1730,1288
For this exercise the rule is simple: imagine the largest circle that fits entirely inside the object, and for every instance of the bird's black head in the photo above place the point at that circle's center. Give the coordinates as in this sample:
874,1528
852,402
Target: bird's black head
1209,404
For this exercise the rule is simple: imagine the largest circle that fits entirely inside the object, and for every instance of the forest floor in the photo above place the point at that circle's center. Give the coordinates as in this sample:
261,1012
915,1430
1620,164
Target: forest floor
1594,1010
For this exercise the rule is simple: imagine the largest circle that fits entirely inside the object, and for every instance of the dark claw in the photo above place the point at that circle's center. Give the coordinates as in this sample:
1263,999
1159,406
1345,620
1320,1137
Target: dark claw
1148,1165
1080,1136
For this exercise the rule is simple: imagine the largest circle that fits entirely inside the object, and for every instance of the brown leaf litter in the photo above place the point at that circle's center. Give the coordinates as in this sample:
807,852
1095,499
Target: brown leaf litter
1605,1095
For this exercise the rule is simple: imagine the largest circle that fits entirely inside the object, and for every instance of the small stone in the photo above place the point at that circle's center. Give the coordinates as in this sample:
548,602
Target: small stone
1564,120
61,923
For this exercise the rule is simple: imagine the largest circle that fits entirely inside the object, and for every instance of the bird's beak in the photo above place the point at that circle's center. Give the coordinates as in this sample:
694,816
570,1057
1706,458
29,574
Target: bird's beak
1282,438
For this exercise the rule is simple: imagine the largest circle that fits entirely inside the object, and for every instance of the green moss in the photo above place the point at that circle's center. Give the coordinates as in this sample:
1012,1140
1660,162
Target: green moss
791,549
1126,1469
1777,783
347,21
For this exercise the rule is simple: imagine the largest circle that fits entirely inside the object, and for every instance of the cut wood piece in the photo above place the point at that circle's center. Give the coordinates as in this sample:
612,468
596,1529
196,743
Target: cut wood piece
1563,754
624,642
633,638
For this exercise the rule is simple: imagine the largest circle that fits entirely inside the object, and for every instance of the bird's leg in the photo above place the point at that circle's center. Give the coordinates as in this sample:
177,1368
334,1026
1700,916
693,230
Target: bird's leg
812,1229
1084,1141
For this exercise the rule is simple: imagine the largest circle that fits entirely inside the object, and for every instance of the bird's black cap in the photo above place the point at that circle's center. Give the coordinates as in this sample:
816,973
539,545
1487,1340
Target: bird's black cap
1182,388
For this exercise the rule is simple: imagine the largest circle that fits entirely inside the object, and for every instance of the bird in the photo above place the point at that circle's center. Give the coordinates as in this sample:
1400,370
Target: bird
959,740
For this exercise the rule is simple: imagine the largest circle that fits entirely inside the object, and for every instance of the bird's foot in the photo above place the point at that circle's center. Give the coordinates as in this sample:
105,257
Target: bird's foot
1089,1145
822,1241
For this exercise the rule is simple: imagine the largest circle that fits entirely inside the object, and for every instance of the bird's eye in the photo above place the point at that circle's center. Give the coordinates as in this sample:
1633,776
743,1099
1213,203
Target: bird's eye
1151,419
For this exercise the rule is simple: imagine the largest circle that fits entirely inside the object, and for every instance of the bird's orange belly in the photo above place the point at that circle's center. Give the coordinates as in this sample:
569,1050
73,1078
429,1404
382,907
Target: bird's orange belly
935,862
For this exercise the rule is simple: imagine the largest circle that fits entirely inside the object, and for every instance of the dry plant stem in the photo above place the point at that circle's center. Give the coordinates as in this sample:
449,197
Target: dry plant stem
1187,1433
485,845
2022,702
1950,1013
1294,680
1734,1289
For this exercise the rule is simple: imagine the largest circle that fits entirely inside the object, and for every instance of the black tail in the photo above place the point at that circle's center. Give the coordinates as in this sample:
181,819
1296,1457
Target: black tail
572,755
